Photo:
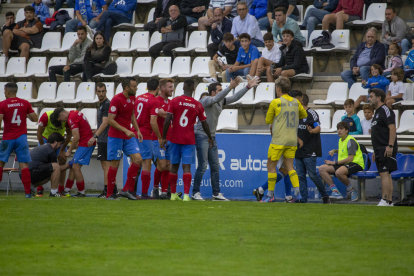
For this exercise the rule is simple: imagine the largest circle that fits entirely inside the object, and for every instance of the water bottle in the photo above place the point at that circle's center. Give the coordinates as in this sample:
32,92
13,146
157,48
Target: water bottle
316,193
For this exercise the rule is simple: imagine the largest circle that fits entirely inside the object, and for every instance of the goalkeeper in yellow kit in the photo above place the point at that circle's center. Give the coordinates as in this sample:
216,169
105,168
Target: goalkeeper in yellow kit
283,116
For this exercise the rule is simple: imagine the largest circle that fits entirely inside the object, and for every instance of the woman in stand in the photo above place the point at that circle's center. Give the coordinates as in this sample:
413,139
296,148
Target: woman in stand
96,57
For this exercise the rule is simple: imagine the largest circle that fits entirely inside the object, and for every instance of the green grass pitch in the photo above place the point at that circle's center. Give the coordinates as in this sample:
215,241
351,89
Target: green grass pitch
91,236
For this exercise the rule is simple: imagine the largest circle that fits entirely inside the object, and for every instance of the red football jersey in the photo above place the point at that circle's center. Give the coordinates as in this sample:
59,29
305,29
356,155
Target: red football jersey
123,108
14,111
185,111
77,120
145,106
162,104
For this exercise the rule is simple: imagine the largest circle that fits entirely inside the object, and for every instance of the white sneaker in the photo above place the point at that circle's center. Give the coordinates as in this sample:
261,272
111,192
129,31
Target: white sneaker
241,79
248,77
210,80
90,31
197,196
220,197
384,203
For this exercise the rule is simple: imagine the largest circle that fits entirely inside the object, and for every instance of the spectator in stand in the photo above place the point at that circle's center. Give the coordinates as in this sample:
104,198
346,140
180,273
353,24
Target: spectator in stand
282,22
161,11
219,27
41,10
407,43
173,30
69,3
193,9
315,15
86,13
293,60
96,57
76,57
120,11
26,34
227,7
247,54
366,54
10,24
246,23
271,54
258,9
409,66
346,11
395,61
394,29
289,5
228,51
351,118
366,122
376,80
396,90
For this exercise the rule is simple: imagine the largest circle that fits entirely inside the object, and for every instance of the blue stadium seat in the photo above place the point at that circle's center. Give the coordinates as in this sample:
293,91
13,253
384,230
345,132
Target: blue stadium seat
405,170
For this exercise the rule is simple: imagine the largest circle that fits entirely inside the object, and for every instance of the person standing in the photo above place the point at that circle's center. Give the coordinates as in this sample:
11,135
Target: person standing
384,142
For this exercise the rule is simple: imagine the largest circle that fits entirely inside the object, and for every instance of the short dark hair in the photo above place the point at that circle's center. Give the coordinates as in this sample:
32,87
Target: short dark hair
205,94
342,125
99,84
55,137
152,84
349,102
376,66
268,36
281,9
29,8
287,31
305,100
81,27
54,117
9,13
391,8
296,93
245,35
213,87
11,87
228,37
378,93
126,81
188,85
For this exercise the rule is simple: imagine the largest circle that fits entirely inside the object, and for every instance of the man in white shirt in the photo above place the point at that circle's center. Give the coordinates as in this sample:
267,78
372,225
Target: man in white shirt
247,23
366,123
271,54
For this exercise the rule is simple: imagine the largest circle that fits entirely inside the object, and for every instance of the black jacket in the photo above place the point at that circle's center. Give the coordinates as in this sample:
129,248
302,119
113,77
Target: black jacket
377,55
273,4
294,58
159,12
216,35
187,6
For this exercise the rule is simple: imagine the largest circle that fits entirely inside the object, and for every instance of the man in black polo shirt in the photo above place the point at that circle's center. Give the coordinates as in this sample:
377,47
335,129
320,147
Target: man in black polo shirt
309,149
384,142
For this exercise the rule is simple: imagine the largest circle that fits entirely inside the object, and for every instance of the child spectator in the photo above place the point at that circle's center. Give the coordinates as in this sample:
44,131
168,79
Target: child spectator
366,123
351,118
395,61
271,54
227,50
376,80
41,10
409,66
396,90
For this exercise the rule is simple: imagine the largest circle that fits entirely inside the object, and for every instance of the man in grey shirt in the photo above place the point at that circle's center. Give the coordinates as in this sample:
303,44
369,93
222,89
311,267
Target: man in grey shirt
213,105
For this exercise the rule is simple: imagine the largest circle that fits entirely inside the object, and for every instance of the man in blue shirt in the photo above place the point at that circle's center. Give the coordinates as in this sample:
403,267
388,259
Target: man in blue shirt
247,53
87,13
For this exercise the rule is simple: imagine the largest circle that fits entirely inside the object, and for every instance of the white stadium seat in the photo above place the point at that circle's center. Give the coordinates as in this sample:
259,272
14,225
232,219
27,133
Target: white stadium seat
2,65
67,42
119,89
130,24
50,40
354,93
397,118
179,90
336,119
52,62
24,90
340,38
155,38
32,125
121,40
47,90
265,92
409,97
338,91
66,91
16,65
139,40
198,39
375,14
313,35
36,65
20,15
360,115
124,67
181,65
86,91
305,35
200,89
406,122
307,10
310,73
71,12
325,119
149,18
204,50
110,87
142,65
91,115
2,96
142,88
199,68
228,120
162,65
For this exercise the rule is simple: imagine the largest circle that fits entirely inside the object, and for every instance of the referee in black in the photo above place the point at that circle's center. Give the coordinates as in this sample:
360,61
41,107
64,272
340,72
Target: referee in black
384,142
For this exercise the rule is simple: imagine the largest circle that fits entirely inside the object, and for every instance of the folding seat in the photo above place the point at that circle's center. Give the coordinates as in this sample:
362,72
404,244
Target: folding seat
200,89
162,65
155,38
71,11
305,35
300,9
265,93
36,65
86,91
325,119
306,75
181,65
110,86
247,98
124,67
354,93
338,91
149,18
336,119
142,65
360,115
179,90
20,15
199,68
139,40
142,88
47,90
228,120
313,35
2,65
130,24
53,62
198,39
16,65
121,40
204,50
32,125
2,96
307,10
405,165
24,90
66,91
67,42
340,39
91,116
50,40
406,121
119,89
409,97
375,14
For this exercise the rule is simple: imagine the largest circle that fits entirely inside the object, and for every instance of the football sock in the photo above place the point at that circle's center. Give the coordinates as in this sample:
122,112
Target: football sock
53,191
60,188
1,173
165,179
145,179
69,184
270,193
261,190
111,181
157,178
40,188
173,182
288,185
26,180
333,187
294,178
131,175
271,179
349,187
81,186
187,182
264,187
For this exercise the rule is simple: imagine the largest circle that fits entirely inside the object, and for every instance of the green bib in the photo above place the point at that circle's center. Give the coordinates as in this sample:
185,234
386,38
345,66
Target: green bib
343,151
50,128
285,124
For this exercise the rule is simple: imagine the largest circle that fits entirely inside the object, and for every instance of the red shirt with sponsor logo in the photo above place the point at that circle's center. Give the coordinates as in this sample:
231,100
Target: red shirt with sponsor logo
123,108
185,111
162,104
145,106
76,120
14,111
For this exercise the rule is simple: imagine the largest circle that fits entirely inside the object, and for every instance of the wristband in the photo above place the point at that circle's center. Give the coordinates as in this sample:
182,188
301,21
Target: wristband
248,87
95,136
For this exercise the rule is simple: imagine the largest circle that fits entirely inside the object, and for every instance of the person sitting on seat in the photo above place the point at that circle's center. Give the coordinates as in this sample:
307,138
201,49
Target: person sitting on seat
86,13
219,27
228,9
315,15
96,57
346,11
161,11
282,22
9,22
193,9
41,10
246,23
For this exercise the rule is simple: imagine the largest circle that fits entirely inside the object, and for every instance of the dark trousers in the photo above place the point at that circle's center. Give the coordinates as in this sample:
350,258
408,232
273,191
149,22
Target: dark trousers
408,74
212,49
166,47
58,70
150,27
90,70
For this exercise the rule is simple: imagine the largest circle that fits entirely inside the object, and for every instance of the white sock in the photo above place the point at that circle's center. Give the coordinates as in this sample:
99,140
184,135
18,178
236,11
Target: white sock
270,193
67,190
82,192
349,187
53,191
261,191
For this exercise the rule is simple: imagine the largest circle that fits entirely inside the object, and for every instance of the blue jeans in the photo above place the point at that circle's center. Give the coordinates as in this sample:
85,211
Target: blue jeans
406,46
241,72
304,165
110,19
350,78
72,25
206,154
312,19
264,22
59,4
191,20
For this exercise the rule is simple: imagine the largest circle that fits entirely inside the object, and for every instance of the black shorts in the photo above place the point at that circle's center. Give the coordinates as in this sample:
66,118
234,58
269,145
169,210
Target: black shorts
351,166
398,99
41,172
102,152
18,41
386,164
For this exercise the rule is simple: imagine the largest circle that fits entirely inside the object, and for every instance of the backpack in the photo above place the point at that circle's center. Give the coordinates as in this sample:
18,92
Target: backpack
323,41
407,201
364,150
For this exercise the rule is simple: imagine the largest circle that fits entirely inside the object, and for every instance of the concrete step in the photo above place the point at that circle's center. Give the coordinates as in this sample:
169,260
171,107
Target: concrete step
316,94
